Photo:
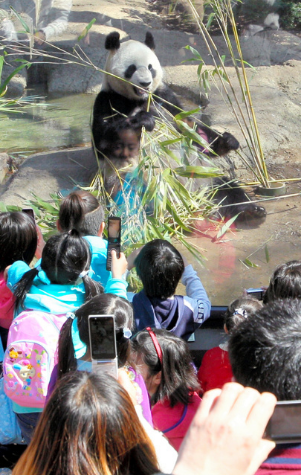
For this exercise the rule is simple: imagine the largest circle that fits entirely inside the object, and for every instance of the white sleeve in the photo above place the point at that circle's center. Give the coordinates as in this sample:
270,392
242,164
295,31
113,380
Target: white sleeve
196,295
166,454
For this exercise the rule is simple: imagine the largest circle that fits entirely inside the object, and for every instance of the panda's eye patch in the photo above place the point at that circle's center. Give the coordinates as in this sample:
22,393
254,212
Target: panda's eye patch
130,71
150,66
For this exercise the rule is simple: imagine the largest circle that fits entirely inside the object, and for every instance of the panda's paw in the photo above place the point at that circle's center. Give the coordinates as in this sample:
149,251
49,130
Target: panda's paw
225,144
145,119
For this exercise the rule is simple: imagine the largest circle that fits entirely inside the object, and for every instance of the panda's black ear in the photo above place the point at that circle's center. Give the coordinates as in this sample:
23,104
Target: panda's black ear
149,40
113,40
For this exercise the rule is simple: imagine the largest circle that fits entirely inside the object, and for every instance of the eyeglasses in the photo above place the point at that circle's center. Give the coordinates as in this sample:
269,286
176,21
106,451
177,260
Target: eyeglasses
156,344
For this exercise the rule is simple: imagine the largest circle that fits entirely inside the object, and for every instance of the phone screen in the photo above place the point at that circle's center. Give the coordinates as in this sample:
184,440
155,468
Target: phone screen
285,423
102,337
114,239
114,228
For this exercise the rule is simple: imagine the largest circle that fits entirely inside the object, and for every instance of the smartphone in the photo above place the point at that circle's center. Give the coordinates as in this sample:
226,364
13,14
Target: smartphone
284,427
114,239
30,213
103,346
257,293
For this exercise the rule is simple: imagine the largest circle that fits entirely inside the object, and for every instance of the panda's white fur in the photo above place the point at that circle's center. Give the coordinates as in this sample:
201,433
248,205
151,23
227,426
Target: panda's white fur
148,74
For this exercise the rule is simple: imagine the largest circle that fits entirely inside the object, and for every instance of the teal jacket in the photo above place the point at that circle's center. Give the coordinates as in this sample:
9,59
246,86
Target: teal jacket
54,298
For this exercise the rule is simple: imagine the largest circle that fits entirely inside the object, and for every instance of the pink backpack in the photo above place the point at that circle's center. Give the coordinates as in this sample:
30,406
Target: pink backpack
31,354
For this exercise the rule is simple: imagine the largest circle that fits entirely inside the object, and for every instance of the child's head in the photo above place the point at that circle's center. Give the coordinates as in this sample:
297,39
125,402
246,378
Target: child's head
285,282
122,136
160,267
80,210
90,426
66,257
18,238
239,310
166,365
105,304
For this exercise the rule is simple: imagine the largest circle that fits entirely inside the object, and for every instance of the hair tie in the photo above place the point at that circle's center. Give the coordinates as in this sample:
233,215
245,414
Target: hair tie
41,275
71,315
83,273
127,333
156,344
239,311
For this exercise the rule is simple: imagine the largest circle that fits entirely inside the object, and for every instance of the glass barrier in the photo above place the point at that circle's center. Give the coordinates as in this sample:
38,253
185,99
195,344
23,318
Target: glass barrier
53,55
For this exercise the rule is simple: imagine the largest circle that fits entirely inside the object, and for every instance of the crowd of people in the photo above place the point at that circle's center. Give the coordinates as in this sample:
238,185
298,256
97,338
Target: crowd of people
162,414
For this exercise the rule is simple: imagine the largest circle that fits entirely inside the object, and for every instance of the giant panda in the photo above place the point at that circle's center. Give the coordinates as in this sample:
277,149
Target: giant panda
134,71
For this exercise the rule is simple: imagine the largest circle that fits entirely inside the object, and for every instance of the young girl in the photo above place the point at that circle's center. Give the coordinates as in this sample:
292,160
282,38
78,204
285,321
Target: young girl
18,241
215,369
166,366
120,153
60,284
80,210
74,344
74,354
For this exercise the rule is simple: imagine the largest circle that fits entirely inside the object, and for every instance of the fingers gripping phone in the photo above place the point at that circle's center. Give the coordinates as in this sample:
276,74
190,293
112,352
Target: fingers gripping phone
114,239
103,346
284,427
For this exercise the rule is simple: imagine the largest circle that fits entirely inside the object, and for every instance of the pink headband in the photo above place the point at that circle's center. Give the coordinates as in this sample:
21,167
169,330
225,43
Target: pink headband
156,344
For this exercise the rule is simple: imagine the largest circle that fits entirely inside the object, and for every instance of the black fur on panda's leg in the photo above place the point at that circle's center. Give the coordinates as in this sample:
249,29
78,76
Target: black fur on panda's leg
220,144
234,200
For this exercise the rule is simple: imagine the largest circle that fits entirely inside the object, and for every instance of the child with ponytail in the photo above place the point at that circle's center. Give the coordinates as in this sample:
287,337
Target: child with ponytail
80,210
74,344
59,284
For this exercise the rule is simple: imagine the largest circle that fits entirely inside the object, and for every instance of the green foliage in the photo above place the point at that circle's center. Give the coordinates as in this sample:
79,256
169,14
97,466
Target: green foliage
290,17
162,199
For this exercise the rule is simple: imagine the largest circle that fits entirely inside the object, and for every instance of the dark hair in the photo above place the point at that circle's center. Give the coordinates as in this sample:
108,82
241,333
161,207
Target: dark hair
285,282
178,377
160,267
90,426
105,304
18,238
239,310
64,257
113,127
265,350
80,210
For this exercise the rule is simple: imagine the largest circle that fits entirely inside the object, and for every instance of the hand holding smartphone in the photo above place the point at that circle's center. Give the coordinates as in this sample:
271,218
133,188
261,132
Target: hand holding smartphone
103,348
114,239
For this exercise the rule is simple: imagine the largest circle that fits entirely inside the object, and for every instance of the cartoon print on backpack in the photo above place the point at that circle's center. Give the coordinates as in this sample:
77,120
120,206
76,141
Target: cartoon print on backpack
136,63
31,356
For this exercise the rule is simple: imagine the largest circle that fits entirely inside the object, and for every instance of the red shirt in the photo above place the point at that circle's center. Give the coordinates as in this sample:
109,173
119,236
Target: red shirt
215,369
174,421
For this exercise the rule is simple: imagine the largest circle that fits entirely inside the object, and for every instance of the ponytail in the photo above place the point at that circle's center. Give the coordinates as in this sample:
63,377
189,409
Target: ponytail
22,287
92,287
67,361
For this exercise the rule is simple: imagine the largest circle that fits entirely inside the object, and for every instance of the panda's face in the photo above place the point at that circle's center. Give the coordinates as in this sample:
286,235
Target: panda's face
137,63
